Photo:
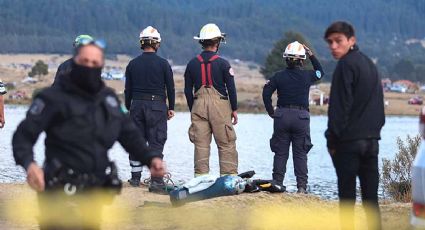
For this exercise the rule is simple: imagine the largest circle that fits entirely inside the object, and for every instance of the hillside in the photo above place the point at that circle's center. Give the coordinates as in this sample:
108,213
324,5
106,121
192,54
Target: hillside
385,28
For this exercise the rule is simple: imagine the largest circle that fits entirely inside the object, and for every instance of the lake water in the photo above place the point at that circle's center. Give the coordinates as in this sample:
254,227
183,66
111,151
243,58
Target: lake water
253,132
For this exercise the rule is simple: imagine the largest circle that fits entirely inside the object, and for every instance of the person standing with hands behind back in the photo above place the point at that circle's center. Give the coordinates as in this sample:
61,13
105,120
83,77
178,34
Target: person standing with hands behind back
356,117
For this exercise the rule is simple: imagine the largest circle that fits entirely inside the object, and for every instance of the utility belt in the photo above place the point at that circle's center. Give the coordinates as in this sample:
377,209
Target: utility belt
294,107
148,97
59,177
221,97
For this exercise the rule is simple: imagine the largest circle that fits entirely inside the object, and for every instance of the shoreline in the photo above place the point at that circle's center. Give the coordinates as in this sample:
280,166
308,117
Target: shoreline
144,210
314,110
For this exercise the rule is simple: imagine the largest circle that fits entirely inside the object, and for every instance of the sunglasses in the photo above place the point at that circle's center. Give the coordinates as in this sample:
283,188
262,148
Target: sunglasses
97,42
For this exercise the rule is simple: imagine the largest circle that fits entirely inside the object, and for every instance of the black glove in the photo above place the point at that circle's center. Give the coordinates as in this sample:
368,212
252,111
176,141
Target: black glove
308,51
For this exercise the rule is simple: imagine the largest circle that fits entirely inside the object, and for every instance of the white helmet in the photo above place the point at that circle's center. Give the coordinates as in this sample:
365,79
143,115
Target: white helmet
150,33
209,31
295,50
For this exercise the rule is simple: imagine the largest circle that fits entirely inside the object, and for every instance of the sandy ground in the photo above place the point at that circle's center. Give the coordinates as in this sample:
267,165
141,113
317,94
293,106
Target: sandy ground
249,82
246,211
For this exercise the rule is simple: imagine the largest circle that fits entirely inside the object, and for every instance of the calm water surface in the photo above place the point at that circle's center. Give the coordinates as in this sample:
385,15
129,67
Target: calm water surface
253,132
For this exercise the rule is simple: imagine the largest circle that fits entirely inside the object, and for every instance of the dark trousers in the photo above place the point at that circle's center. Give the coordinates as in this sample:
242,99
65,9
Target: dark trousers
151,118
352,159
291,126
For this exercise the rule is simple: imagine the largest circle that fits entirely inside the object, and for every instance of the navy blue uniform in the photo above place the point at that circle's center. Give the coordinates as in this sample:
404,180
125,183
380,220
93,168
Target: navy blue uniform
291,118
221,74
148,76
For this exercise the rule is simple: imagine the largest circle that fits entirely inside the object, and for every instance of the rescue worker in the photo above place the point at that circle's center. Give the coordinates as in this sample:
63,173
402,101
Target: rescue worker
214,105
2,92
82,119
65,66
356,117
147,77
292,117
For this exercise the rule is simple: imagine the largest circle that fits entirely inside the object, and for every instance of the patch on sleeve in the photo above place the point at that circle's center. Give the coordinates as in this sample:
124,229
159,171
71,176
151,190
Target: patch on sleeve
37,107
318,74
231,72
111,101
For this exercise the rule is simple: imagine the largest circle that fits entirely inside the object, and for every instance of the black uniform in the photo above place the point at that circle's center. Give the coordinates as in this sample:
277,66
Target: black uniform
291,118
80,129
147,77
356,116
222,78
64,68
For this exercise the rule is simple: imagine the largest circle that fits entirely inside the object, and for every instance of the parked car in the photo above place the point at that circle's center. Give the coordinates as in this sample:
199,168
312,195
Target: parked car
418,179
106,76
415,101
398,88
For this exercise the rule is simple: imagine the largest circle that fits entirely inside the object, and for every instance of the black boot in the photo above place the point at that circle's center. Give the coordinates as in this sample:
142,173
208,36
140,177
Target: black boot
302,190
135,179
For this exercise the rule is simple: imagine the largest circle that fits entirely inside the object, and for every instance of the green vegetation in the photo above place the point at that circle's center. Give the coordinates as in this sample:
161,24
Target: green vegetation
39,69
396,174
252,26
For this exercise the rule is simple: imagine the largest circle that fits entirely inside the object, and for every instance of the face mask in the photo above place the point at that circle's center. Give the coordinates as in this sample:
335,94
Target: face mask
87,78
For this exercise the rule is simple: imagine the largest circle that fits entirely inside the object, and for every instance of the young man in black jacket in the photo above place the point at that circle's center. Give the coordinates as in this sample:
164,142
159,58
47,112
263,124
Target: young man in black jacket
356,116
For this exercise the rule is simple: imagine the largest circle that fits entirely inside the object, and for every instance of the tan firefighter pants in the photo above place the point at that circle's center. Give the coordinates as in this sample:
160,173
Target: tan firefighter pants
212,115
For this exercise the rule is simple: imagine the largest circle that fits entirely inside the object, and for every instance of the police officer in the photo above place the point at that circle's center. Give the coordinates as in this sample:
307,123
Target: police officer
214,105
82,119
356,117
2,92
292,118
65,66
147,77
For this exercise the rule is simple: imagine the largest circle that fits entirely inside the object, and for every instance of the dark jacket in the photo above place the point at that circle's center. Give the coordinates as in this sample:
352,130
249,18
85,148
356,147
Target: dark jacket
222,77
356,103
292,85
64,68
149,74
80,129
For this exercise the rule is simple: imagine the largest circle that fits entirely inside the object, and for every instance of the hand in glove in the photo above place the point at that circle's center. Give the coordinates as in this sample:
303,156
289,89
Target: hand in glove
308,50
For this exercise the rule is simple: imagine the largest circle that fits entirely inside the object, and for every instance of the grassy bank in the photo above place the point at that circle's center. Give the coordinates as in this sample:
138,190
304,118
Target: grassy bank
246,211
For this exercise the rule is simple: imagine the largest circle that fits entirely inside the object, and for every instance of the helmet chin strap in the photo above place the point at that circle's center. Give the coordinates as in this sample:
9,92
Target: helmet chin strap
218,46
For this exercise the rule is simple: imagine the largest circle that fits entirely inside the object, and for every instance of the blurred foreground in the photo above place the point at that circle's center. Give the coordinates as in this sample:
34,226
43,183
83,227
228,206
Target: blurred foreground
136,208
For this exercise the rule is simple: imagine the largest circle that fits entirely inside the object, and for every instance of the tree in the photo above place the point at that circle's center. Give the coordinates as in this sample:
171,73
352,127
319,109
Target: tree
274,61
40,68
404,69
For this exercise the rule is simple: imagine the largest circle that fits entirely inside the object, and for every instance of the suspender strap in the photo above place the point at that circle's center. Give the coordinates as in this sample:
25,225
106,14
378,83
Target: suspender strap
208,70
204,78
